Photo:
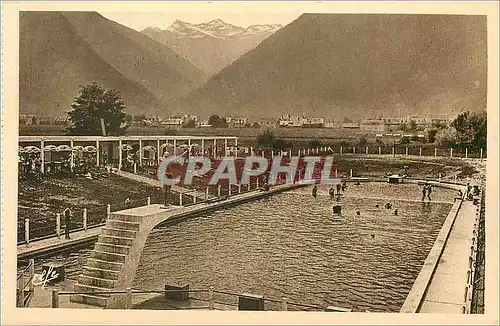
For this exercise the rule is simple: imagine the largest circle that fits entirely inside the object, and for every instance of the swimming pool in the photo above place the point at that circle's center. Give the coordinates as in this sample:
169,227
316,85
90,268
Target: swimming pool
291,245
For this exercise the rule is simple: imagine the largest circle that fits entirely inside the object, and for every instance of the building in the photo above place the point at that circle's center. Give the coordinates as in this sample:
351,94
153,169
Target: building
316,122
287,120
172,122
267,123
373,125
350,125
236,122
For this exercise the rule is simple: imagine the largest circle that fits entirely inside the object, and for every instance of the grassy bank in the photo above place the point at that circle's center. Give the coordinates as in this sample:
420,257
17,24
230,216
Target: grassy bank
41,200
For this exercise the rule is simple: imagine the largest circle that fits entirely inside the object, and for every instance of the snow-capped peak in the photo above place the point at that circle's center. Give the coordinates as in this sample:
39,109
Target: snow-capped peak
219,29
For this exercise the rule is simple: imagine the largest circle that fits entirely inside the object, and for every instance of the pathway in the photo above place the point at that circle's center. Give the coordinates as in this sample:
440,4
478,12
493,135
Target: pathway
158,184
446,291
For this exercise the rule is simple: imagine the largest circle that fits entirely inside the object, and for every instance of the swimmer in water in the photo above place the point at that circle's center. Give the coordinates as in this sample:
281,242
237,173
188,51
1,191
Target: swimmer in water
315,191
376,206
373,235
331,192
388,205
358,213
396,212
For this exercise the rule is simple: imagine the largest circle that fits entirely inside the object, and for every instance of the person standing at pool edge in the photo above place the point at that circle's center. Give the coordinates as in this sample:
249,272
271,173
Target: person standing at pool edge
429,190
315,191
424,192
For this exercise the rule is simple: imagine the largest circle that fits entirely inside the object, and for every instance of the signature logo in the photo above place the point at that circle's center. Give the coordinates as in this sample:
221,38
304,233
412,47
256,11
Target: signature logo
46,276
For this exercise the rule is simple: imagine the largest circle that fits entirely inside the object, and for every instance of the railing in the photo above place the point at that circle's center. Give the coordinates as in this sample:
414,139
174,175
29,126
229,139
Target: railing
214,299
471,272
25,281
405,150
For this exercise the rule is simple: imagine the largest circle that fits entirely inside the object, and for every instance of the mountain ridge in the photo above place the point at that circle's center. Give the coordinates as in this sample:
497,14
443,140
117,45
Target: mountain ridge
58,51
213,45
349,65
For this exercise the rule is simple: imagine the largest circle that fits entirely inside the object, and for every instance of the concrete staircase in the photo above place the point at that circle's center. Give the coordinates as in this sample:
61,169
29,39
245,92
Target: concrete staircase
106,261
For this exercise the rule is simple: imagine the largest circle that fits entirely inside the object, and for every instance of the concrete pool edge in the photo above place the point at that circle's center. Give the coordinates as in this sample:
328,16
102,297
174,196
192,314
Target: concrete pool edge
415,297
54,244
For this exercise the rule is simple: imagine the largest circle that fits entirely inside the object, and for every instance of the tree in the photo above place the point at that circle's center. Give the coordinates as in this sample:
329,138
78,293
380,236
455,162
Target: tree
217,122
268,140
446,137
93,104
362,142
471,129
431,135
189,124
413,125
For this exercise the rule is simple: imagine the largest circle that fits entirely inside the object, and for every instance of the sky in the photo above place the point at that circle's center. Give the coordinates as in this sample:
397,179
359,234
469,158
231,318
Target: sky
141,20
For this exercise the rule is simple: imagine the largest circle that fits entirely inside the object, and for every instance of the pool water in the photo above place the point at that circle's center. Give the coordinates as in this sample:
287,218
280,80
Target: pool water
292,245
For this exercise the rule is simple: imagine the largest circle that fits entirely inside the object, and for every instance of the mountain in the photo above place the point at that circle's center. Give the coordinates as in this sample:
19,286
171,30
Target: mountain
210,46
58,51
351,65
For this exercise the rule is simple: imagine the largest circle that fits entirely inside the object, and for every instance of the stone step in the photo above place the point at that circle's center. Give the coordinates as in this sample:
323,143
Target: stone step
114,240
95,281
112,248
100,273
103,264
93,300
118,233
124,218
123,225
92,290
108,256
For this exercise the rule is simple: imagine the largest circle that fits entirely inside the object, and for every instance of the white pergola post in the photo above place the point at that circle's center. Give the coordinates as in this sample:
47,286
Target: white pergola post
466,152
406,150
435,151
481,155
203,146
214,148
72,159
366,149
175,147
42,157
236,145
98,157
225,147
379,150
451,152
158,150
420,152
340,149
120,158
140,152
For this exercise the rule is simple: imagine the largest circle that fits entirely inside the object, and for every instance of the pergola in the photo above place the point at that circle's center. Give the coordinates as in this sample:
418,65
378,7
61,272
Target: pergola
46,143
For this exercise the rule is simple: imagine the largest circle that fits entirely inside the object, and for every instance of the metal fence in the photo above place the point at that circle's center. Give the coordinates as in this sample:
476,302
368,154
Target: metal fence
25,287
209,299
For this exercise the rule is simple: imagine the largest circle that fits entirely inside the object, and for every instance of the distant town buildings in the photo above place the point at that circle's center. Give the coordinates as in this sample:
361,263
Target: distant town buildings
378,125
